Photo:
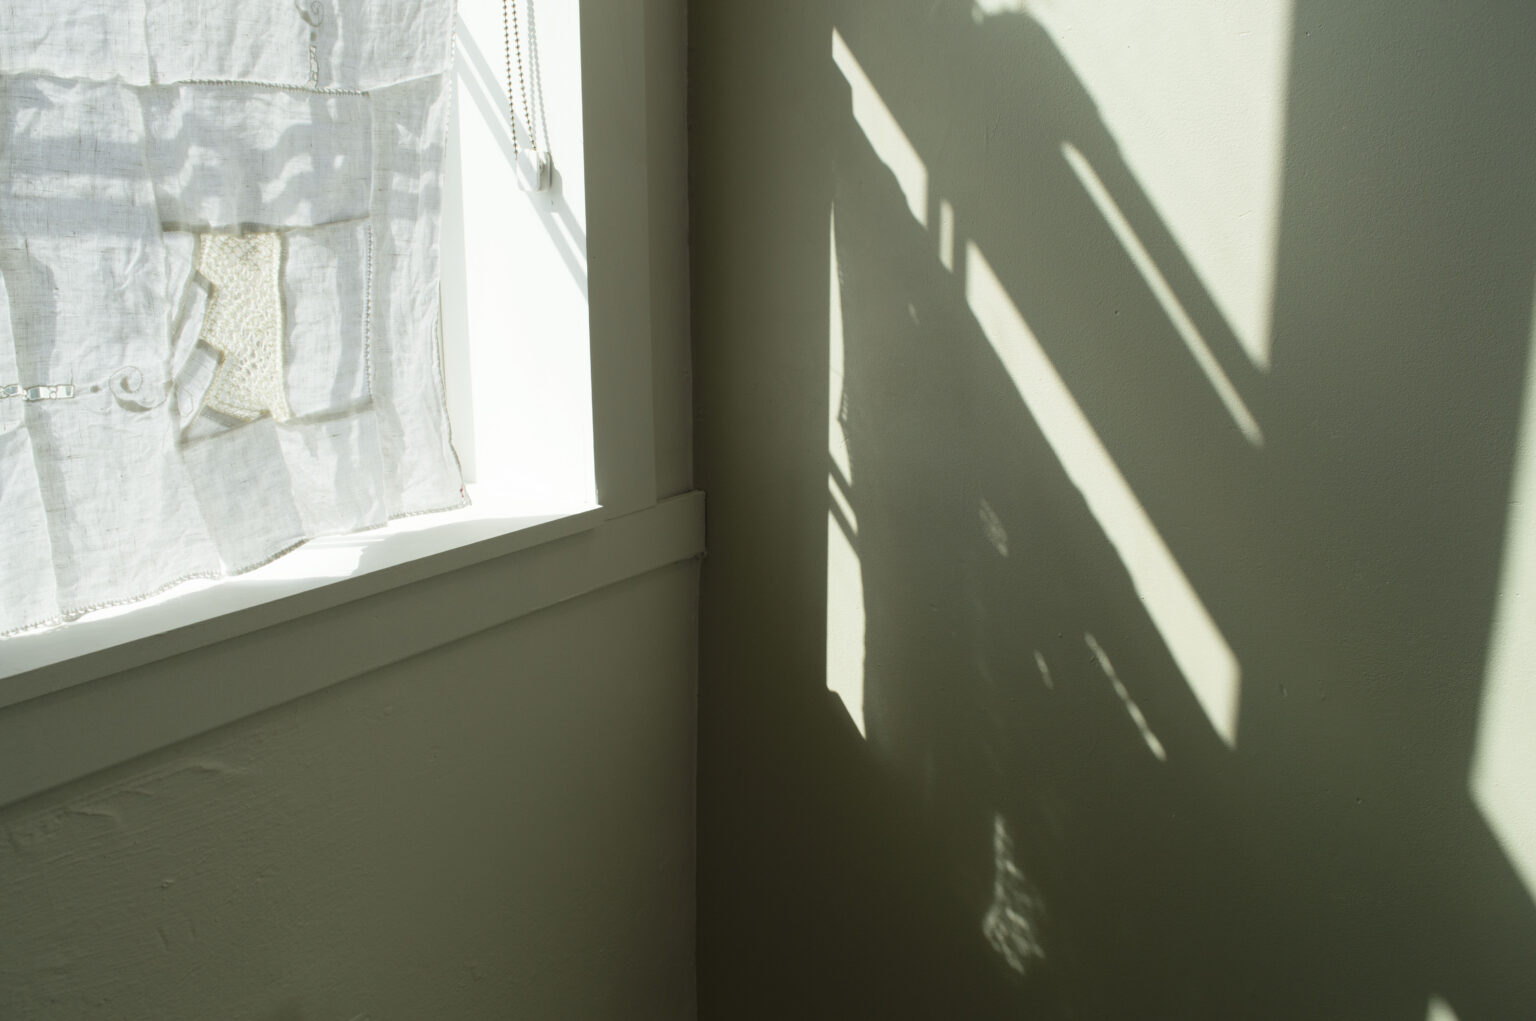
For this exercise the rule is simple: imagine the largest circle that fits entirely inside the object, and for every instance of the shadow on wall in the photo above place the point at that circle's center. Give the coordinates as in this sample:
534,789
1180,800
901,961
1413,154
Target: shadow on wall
1171,662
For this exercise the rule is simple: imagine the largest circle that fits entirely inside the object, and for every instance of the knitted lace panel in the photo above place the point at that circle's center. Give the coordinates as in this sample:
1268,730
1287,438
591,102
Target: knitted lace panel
244,322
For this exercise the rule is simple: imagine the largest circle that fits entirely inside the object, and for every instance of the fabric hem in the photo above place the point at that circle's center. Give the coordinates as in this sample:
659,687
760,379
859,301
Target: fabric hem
70,616
321,89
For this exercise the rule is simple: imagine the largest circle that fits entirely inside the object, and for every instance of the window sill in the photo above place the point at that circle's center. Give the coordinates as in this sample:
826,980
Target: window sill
246,644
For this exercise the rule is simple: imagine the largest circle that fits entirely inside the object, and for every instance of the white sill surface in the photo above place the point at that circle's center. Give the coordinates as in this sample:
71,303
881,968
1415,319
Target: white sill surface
322,573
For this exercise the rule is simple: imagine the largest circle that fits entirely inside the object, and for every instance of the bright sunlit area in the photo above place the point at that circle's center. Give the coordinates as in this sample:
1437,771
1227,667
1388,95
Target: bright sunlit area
1504,772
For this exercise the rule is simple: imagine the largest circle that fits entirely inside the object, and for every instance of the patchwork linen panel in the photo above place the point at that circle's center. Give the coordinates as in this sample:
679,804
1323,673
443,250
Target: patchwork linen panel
219,226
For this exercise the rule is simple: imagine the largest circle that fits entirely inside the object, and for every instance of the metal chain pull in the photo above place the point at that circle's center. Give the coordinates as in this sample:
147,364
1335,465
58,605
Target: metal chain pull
533,167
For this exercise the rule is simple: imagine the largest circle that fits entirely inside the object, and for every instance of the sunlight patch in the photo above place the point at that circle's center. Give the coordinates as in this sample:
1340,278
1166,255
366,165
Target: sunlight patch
890,143
845,579
1132,710
992,528
1011,925
1045,671
1172,308
981,9
1504,768
1439,1010
1194,96
1196,644
845,623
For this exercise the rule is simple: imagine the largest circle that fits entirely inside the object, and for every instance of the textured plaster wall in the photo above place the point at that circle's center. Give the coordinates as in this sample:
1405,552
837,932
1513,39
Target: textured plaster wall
500,828
1111,418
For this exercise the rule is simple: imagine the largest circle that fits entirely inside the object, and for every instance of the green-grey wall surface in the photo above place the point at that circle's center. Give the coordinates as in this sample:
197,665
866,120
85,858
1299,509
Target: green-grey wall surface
1159,711
502,827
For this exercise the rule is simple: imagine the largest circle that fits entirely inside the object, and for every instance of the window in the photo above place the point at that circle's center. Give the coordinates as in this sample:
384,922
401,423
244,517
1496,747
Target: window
219,249
556,420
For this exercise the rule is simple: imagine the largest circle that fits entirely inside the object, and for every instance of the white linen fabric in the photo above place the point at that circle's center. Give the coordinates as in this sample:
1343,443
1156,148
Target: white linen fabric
219,227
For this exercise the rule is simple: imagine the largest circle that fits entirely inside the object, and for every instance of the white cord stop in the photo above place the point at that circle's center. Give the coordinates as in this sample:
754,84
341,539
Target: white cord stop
534,170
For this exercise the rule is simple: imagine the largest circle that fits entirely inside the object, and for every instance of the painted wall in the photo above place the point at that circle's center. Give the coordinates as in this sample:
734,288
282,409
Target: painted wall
500,828
1118,601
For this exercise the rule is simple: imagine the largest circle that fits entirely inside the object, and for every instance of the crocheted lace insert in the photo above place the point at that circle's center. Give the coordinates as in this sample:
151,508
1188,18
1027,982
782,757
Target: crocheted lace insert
244,322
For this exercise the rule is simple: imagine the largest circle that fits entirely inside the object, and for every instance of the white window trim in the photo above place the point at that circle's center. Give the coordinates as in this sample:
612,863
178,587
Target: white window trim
90,695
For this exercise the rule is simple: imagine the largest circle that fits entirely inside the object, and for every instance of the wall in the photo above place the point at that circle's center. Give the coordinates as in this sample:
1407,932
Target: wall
1111,418
500,827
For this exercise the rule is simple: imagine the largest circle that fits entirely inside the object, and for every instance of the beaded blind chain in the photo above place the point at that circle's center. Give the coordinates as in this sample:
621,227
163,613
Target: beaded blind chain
514,44
532,167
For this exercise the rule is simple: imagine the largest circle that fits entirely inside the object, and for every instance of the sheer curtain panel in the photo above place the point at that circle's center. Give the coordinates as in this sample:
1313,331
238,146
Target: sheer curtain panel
218,287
